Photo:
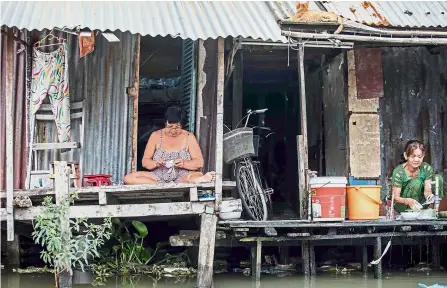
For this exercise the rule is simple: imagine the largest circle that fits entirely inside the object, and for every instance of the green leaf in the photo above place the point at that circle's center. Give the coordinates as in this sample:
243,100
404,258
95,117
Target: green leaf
141,228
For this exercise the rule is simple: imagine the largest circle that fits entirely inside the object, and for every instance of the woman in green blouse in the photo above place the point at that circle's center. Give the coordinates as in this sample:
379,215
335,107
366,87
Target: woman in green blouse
413,180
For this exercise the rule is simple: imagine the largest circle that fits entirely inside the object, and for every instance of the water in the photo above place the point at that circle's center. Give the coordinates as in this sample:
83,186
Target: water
391,280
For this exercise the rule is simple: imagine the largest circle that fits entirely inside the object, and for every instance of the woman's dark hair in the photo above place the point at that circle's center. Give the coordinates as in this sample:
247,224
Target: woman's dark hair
174,114
410,147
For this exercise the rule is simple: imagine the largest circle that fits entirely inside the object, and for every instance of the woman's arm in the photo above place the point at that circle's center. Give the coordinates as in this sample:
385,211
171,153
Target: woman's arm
151,145
196,162
397,198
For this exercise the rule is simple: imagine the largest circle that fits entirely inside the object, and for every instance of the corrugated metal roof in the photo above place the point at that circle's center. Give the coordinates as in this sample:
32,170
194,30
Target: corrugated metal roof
414,14
187,19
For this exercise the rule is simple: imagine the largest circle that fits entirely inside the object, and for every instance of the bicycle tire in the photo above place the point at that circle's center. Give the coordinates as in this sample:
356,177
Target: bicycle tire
244,175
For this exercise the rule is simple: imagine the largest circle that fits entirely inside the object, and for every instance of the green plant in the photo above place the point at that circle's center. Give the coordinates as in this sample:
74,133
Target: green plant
129,247
67,243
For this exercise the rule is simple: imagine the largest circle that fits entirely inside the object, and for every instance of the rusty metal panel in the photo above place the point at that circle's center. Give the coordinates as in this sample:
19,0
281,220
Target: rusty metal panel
369,77
392,13
19,108
414,104
414,14
101,79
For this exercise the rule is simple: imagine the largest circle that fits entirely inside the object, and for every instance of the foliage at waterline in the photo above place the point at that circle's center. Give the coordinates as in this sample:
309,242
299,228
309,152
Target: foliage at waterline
68,244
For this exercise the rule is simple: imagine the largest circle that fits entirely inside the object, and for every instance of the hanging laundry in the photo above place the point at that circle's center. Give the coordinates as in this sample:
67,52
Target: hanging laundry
86,44
50,77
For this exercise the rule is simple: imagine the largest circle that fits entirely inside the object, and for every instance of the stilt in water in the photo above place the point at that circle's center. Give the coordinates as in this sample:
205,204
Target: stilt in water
13,251
377,254
206,250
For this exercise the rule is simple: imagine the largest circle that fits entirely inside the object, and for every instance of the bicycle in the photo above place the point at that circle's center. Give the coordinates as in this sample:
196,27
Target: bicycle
252,188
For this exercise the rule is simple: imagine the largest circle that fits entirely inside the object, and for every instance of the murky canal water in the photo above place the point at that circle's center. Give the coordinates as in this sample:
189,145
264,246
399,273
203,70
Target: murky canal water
391,280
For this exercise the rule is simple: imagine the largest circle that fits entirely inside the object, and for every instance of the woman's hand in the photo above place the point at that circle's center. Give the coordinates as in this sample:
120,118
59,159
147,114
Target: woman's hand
412,203
179,163
429,198
159,162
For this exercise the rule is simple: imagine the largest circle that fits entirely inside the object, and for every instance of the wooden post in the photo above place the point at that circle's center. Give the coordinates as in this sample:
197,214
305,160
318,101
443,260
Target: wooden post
436,253
365,259
219,120
256,260
313,269
135,96
201,80
13,251
206,250
62,192
305,257
303,149
9,135
284,255
377,254
238,85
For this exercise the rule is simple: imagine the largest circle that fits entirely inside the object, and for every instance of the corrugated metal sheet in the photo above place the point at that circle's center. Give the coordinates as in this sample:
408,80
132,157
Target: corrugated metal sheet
19,87
187,19
392,13
100,79
284,9
414,105
414,14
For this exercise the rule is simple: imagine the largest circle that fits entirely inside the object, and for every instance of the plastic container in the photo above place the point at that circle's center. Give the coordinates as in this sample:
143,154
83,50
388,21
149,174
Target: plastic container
363,202
329,198
238,144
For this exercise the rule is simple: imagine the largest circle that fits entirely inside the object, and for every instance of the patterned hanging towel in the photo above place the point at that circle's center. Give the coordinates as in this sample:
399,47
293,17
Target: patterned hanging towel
50,77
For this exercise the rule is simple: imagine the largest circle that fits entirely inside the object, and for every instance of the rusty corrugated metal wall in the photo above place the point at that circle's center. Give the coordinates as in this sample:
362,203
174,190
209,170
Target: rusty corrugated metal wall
100,79
19,110
414,104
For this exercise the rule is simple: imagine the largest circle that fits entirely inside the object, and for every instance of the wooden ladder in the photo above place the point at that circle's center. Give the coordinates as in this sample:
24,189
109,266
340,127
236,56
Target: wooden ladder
45,114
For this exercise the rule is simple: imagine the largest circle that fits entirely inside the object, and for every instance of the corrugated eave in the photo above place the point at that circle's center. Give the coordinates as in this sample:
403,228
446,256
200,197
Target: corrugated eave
409,14
186,19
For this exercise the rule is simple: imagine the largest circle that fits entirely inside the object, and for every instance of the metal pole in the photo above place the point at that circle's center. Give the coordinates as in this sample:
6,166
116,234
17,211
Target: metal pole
422,41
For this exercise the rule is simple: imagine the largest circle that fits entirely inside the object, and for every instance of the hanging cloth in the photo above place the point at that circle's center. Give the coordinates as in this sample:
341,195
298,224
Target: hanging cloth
50,77
86,44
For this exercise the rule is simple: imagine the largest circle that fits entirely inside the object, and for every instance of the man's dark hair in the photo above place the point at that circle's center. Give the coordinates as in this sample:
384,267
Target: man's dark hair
174,114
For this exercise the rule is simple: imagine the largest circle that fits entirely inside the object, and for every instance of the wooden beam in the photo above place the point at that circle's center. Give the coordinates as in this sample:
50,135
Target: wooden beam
341,224
193,194
62,190
207,243
122,210
201,80
146,188
219,120
238,85
47,146
10,134
347,236
301,178
304,158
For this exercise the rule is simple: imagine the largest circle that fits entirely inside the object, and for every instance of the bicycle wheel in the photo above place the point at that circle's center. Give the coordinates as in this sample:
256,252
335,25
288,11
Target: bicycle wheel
250,191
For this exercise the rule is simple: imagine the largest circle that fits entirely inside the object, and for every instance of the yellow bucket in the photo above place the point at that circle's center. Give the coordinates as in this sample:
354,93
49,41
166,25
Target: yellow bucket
363,202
